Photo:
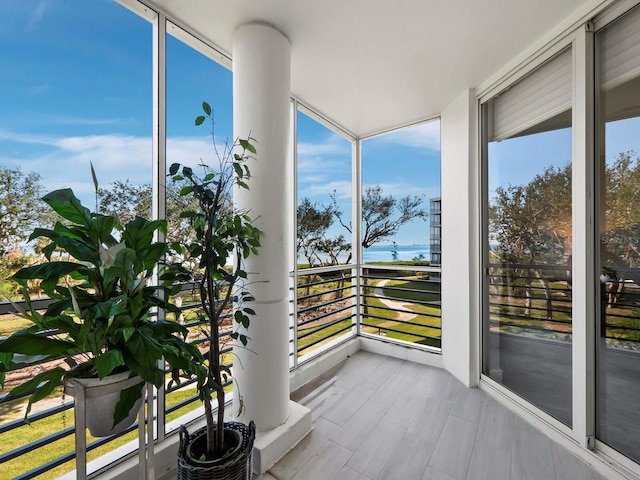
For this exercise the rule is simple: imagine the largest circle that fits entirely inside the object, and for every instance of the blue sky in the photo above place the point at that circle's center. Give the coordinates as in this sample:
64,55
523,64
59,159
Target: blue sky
76,87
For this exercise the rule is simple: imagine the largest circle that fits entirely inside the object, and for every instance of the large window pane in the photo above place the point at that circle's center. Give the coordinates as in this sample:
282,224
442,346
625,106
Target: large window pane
324,299
193,78
75,90
400,177
323,195
401,299
527,325
618,360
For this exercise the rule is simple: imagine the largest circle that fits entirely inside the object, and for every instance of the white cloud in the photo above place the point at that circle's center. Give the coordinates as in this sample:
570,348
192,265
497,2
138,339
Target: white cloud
404,189
65,161
36,15
321,191
425,135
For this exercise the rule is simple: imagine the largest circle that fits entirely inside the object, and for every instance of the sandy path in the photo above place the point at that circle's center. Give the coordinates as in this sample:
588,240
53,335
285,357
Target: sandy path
404,312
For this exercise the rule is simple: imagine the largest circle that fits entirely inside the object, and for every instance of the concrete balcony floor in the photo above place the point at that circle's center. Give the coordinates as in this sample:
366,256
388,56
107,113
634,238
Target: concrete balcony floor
377,417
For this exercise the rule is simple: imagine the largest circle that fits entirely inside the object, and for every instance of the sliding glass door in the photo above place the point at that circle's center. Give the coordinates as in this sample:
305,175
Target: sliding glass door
528,321
618,214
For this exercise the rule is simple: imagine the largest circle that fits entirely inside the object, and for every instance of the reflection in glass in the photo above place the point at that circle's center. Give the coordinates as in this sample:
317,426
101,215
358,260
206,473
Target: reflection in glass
527,327
618,360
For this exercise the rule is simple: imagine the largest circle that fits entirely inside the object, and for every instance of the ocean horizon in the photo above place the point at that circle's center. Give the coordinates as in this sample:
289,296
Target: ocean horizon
385,253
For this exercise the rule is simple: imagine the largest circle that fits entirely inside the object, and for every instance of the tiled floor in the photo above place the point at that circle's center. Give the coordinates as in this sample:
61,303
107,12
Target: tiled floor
380,418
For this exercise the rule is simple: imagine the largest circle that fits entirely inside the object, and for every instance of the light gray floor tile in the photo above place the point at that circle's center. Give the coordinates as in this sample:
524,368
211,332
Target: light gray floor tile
433,474
531,457
308,447
489,462
389,392
444,385
455,447
408,404
348,474
469,404
496,425
355,437
325,464
430,419
359,426
409,460
378,447
569,467
346,404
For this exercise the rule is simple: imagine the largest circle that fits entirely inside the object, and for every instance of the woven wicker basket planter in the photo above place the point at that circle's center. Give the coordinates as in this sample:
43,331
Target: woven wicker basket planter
236,466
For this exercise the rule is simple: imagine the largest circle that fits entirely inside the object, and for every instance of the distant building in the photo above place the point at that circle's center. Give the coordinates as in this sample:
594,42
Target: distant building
436,231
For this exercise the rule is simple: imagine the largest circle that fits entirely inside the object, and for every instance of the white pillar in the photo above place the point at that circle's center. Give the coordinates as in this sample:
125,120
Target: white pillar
460,239
261,99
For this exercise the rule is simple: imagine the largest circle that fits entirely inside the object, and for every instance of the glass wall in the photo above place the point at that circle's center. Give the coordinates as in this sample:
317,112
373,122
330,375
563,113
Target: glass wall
192,78
618,212
527,323
324,186
400,175
325,297
400,235
75,90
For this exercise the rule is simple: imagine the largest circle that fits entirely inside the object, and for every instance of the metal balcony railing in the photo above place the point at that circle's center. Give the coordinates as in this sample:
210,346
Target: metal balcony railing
402,303
536,300
44,447
398,303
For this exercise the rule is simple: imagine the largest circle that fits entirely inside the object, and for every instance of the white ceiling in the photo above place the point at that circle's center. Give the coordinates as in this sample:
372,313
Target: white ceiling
371,65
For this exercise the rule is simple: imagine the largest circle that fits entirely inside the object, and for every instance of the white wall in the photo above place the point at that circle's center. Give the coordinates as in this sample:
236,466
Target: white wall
460,238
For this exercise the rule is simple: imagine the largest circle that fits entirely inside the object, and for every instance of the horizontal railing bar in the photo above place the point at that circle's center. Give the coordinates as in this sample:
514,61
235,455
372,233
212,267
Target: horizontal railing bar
323,269
324,315
320,340
389,329
403,322
395,310
324,327
325,304
402,268
10,455
35,417
324,292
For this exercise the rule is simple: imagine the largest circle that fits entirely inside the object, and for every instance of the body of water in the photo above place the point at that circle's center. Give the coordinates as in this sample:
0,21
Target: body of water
385,253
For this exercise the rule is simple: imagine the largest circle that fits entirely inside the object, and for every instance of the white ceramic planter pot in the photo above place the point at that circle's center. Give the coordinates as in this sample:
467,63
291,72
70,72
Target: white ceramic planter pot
101,398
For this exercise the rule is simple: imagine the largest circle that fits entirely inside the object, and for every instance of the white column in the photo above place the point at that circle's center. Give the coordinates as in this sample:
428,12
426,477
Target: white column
460,239
261,99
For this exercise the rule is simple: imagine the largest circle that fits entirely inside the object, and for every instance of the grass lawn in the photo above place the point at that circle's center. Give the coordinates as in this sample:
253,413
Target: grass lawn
428,317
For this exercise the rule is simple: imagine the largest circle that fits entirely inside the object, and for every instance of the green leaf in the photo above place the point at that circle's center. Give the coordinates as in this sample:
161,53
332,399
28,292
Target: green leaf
200,119
108,362
39,386
238,169
31,344
186,190
206,108
46,271
173,169
247,145
128,398
65,204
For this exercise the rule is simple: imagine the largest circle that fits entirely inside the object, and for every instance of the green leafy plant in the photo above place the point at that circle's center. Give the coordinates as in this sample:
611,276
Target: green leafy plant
221,233
100,320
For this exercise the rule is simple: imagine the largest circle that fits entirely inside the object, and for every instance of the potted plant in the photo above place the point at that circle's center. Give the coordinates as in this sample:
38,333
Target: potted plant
219,450
100,321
